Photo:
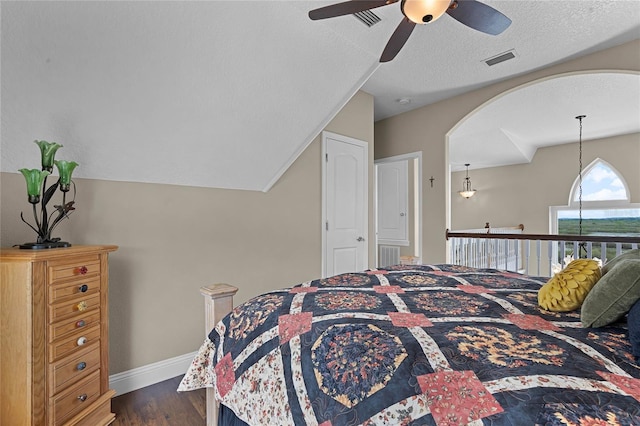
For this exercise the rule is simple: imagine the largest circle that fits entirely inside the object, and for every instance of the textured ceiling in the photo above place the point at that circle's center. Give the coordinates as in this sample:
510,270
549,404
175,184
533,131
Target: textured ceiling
228,93
446,58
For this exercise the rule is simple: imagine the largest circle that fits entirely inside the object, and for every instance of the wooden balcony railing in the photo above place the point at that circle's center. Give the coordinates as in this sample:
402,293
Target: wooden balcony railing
533,254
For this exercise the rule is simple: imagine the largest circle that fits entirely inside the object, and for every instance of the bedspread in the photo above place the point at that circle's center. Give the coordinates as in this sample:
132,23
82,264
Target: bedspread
418,345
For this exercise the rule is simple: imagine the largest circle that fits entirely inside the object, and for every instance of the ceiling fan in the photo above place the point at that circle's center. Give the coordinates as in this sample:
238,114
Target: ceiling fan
471,13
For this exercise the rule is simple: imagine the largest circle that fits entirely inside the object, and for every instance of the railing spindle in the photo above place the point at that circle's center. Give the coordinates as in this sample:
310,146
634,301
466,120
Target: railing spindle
485,250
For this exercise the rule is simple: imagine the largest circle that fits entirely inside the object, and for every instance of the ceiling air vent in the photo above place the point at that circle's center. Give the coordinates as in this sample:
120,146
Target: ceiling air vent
510,54
367,17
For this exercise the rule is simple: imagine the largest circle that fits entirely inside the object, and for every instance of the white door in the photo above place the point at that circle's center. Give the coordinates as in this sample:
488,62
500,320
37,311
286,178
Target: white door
413,212
393,202
345,245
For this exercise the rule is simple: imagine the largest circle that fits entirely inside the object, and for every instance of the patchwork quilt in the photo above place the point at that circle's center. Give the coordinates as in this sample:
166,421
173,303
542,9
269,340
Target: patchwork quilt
417,345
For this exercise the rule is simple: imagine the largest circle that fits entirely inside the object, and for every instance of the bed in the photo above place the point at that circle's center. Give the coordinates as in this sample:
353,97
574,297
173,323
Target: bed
415,345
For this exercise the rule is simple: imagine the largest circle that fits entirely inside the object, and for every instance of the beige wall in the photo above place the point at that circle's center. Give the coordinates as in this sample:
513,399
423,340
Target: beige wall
523,193
425,130
174,239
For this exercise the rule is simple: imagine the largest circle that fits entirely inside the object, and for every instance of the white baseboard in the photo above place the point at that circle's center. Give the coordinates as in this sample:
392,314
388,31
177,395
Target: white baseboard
150,374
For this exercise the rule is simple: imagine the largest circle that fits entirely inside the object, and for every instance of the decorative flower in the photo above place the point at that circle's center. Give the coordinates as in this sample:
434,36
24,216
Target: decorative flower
34,178
65,168
40,194
48,151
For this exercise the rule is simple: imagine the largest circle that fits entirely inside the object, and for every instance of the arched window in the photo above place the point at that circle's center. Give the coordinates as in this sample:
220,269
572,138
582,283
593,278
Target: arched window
600,182
606,204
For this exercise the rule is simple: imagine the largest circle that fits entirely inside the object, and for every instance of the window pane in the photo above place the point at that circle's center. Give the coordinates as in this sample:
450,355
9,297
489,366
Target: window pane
623,222
601,183
600,222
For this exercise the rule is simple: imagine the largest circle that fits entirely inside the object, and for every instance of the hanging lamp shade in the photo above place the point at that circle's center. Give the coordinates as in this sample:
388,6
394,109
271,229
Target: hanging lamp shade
467,189
424,11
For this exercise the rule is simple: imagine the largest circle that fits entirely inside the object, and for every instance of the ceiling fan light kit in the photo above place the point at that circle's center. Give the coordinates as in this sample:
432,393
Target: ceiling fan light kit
471,13
424,11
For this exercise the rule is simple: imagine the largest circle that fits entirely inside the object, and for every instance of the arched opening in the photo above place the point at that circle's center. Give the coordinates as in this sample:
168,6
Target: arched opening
509,129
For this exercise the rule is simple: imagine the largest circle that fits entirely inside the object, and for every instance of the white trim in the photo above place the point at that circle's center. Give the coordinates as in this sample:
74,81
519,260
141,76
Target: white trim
150,374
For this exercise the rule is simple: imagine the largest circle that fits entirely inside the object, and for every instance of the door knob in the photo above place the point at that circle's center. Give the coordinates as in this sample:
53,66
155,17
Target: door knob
360,238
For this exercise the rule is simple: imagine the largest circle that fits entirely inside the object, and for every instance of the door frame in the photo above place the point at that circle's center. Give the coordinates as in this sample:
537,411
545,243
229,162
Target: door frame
365,214
417,196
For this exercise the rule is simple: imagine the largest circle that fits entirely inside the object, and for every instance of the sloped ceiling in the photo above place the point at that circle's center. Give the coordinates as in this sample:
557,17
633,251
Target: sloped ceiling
215,94
227,94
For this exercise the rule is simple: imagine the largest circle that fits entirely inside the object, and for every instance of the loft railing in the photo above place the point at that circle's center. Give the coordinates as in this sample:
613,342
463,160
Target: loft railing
487,253
535,254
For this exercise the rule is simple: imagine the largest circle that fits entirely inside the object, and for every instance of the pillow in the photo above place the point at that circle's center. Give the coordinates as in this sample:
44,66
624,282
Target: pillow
631,254
613,296
568,288
633,322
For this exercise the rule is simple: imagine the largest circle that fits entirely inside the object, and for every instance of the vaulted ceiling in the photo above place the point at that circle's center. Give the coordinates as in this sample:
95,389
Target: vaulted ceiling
228,93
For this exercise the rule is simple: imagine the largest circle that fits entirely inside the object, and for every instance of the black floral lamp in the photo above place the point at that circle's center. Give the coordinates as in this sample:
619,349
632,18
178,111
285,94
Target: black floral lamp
39,196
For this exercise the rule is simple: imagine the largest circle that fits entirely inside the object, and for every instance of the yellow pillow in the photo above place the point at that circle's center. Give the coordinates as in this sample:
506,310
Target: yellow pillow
568,288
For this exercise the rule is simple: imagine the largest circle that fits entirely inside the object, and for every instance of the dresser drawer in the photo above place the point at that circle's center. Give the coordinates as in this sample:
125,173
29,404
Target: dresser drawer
75,399
75,341
79,267
60,329
77,287
72,307
47,378
73,368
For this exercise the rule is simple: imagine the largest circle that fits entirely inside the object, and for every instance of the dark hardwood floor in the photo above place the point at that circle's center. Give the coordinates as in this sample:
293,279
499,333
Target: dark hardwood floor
160,405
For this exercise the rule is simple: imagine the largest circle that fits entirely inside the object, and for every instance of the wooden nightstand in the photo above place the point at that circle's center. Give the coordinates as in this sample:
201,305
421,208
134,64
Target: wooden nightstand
54,345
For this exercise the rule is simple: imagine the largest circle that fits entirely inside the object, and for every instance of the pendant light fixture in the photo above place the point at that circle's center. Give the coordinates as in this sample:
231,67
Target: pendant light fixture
467,191
424,11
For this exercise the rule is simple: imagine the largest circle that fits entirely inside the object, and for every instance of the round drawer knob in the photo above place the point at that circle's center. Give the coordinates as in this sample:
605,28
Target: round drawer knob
81,324
82,341
81,366
82,306
83,288
82,398
83,270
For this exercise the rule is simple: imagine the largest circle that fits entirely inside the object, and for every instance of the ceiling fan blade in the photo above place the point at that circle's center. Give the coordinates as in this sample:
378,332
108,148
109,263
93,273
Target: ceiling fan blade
479,16
397,40
347,8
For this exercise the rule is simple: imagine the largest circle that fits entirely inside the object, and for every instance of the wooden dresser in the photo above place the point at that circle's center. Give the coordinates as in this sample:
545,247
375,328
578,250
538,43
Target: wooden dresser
54,352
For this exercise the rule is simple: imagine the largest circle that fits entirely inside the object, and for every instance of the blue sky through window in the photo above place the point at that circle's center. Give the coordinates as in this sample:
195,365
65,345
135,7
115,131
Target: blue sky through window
601,184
